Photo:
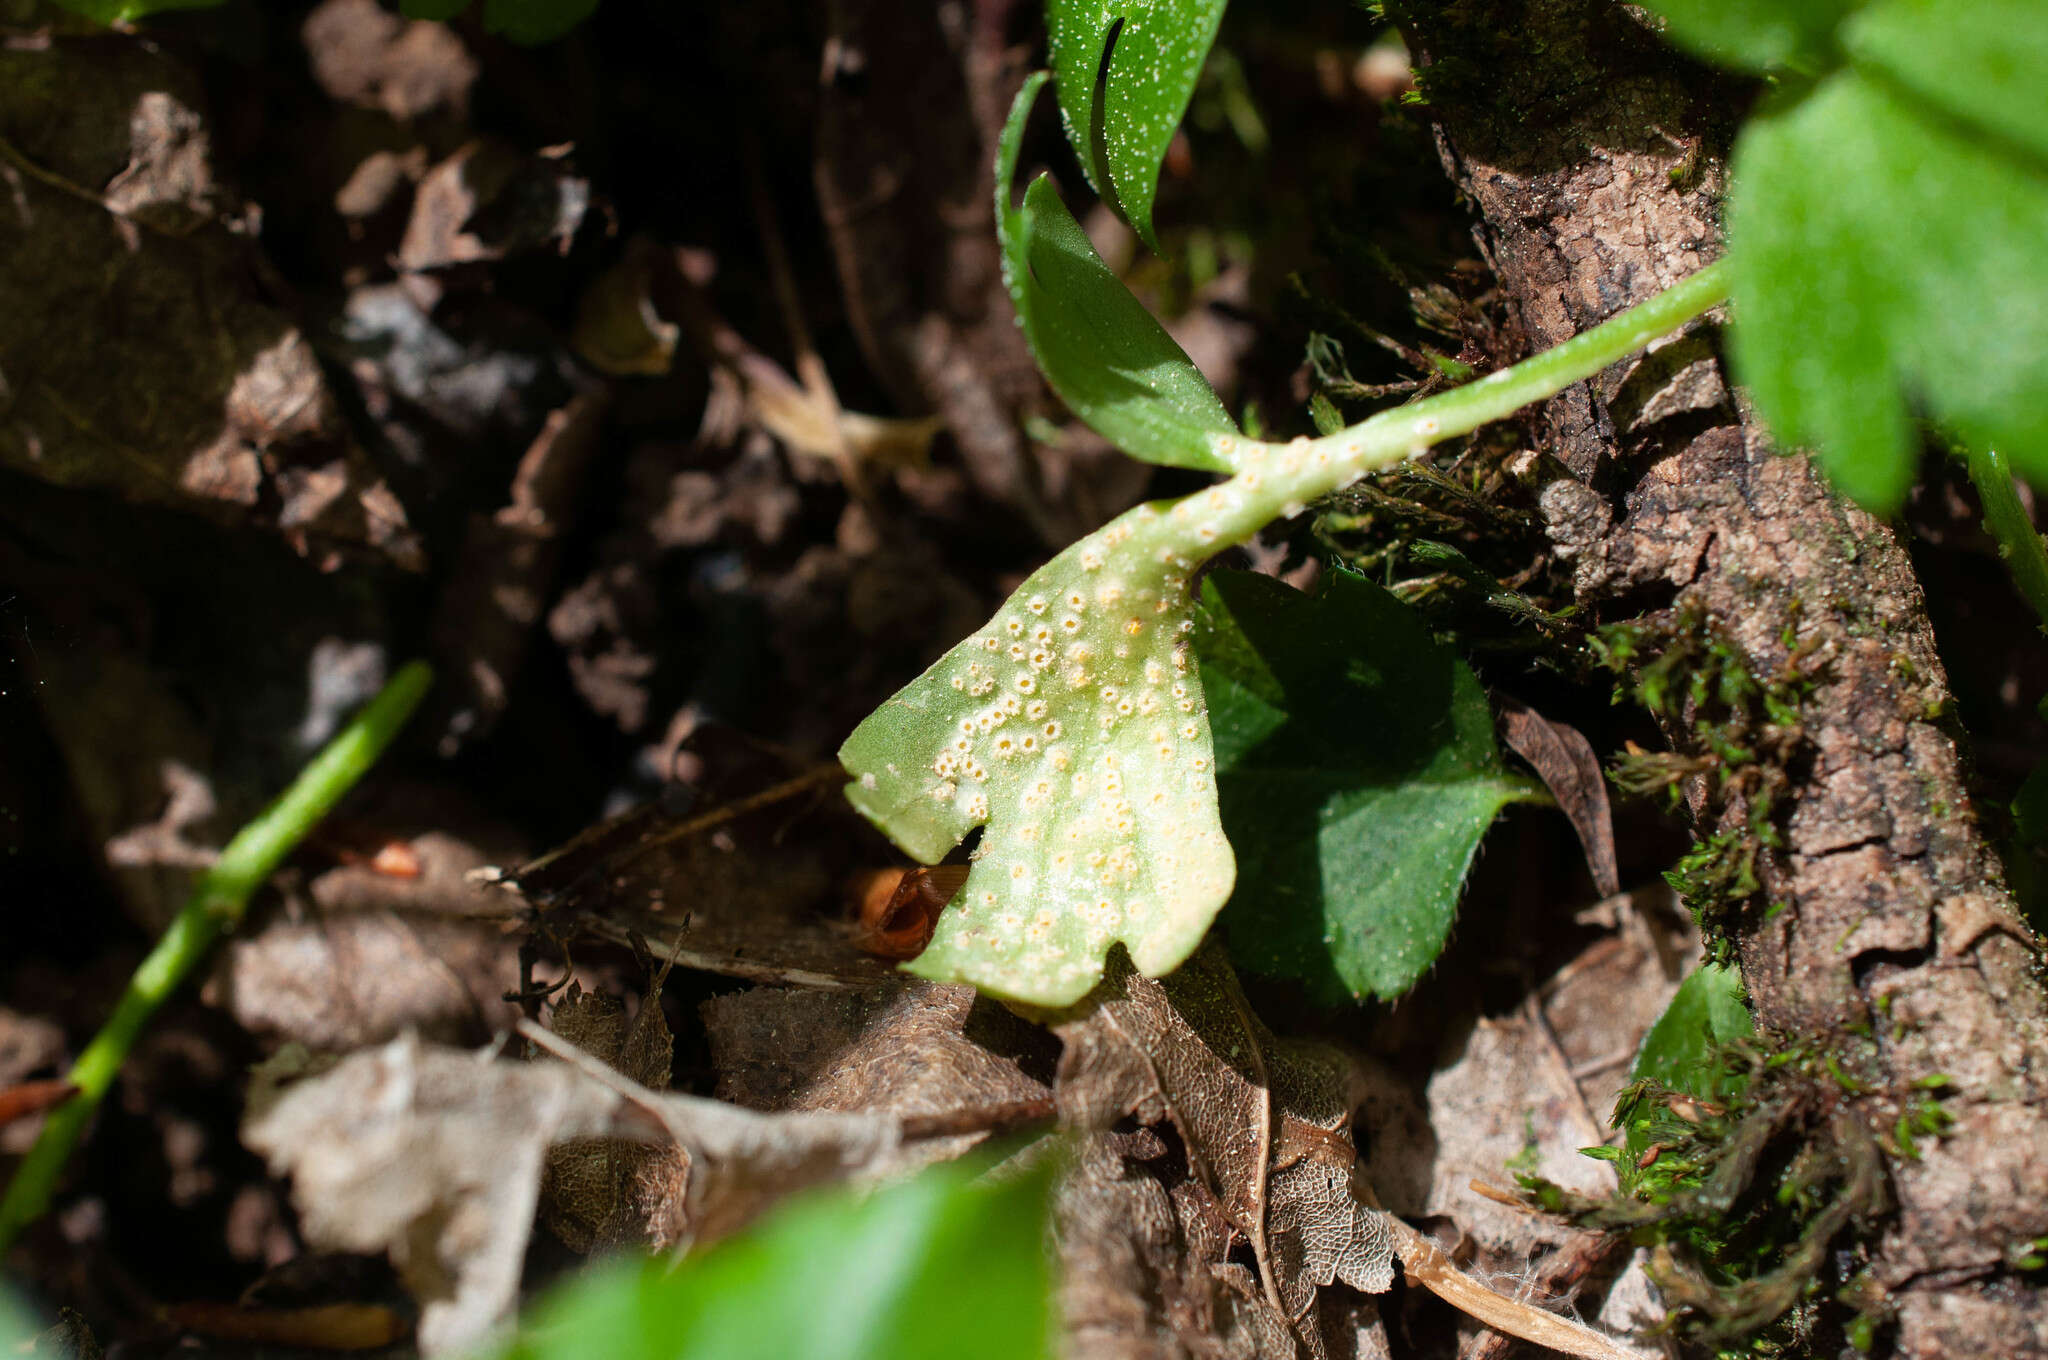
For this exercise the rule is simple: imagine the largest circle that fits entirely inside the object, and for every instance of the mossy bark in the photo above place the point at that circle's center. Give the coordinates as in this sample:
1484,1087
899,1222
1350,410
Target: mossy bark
1883,934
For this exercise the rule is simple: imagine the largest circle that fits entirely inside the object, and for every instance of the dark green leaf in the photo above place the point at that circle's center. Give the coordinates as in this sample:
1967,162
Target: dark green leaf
933,1269
1357,769
1705,1013
1758,35
1126,70
1881,256
128,11
1985,61
532,22
2030,809
1106,356
432,9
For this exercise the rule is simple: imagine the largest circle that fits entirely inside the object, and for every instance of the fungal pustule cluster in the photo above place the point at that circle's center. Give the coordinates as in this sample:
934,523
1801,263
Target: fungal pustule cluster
1076,733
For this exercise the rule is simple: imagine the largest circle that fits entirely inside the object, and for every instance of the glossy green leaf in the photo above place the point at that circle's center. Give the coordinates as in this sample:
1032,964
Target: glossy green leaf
1706,1012
1758,35
128,11
1683,1052
1358,771
1072,727
932,1269
1126,70
1880,256
532,22
1985,61
1111,362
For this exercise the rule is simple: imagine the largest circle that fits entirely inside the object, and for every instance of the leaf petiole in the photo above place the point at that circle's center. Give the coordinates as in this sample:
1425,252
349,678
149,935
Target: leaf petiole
216,904
1276,480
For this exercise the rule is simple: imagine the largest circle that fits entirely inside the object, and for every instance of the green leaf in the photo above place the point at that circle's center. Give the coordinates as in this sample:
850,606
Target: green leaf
1758,35
532,22
432,9
1681,1053
1126,71
128,11
1985,61
1358,771
1105,355
2030,809
1881,256
1705,1013
1072,727
932,1269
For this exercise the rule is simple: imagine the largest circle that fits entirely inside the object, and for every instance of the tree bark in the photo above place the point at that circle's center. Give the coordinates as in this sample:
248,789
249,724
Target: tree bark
1593,156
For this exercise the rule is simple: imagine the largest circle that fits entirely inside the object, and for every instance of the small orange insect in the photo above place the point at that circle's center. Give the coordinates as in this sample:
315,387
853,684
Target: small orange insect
899,908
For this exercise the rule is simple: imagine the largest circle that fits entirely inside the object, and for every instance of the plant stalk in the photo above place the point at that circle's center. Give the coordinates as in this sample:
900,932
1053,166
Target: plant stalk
1277,480
216,904
2018,541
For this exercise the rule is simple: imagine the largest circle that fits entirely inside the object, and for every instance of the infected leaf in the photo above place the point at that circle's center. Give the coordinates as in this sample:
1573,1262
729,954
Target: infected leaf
1072,727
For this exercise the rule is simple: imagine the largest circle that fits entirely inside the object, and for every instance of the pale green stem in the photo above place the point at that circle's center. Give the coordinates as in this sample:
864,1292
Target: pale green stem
216,904
1274,480
2018,541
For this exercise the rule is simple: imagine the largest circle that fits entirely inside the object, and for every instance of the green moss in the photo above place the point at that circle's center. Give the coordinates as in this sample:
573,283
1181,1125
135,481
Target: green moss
1742,730
1757,1207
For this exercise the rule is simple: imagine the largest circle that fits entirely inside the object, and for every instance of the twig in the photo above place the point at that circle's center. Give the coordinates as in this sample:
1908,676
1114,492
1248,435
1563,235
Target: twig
14,156
788,788
1003,1117
1007,1117
1425,1265
217,902
1557,1274
810,369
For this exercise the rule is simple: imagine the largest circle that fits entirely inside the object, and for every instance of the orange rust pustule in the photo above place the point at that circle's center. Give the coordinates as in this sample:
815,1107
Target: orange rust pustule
899,908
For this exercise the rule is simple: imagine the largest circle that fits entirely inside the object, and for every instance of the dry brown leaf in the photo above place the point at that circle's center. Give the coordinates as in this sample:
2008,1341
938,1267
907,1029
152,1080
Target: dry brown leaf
32,1097
488,201
435,1155
222,407
605,1192
905,1047
363,54
1564,760
750,887
1264,1121
341,980
1143,1249
1427,1266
